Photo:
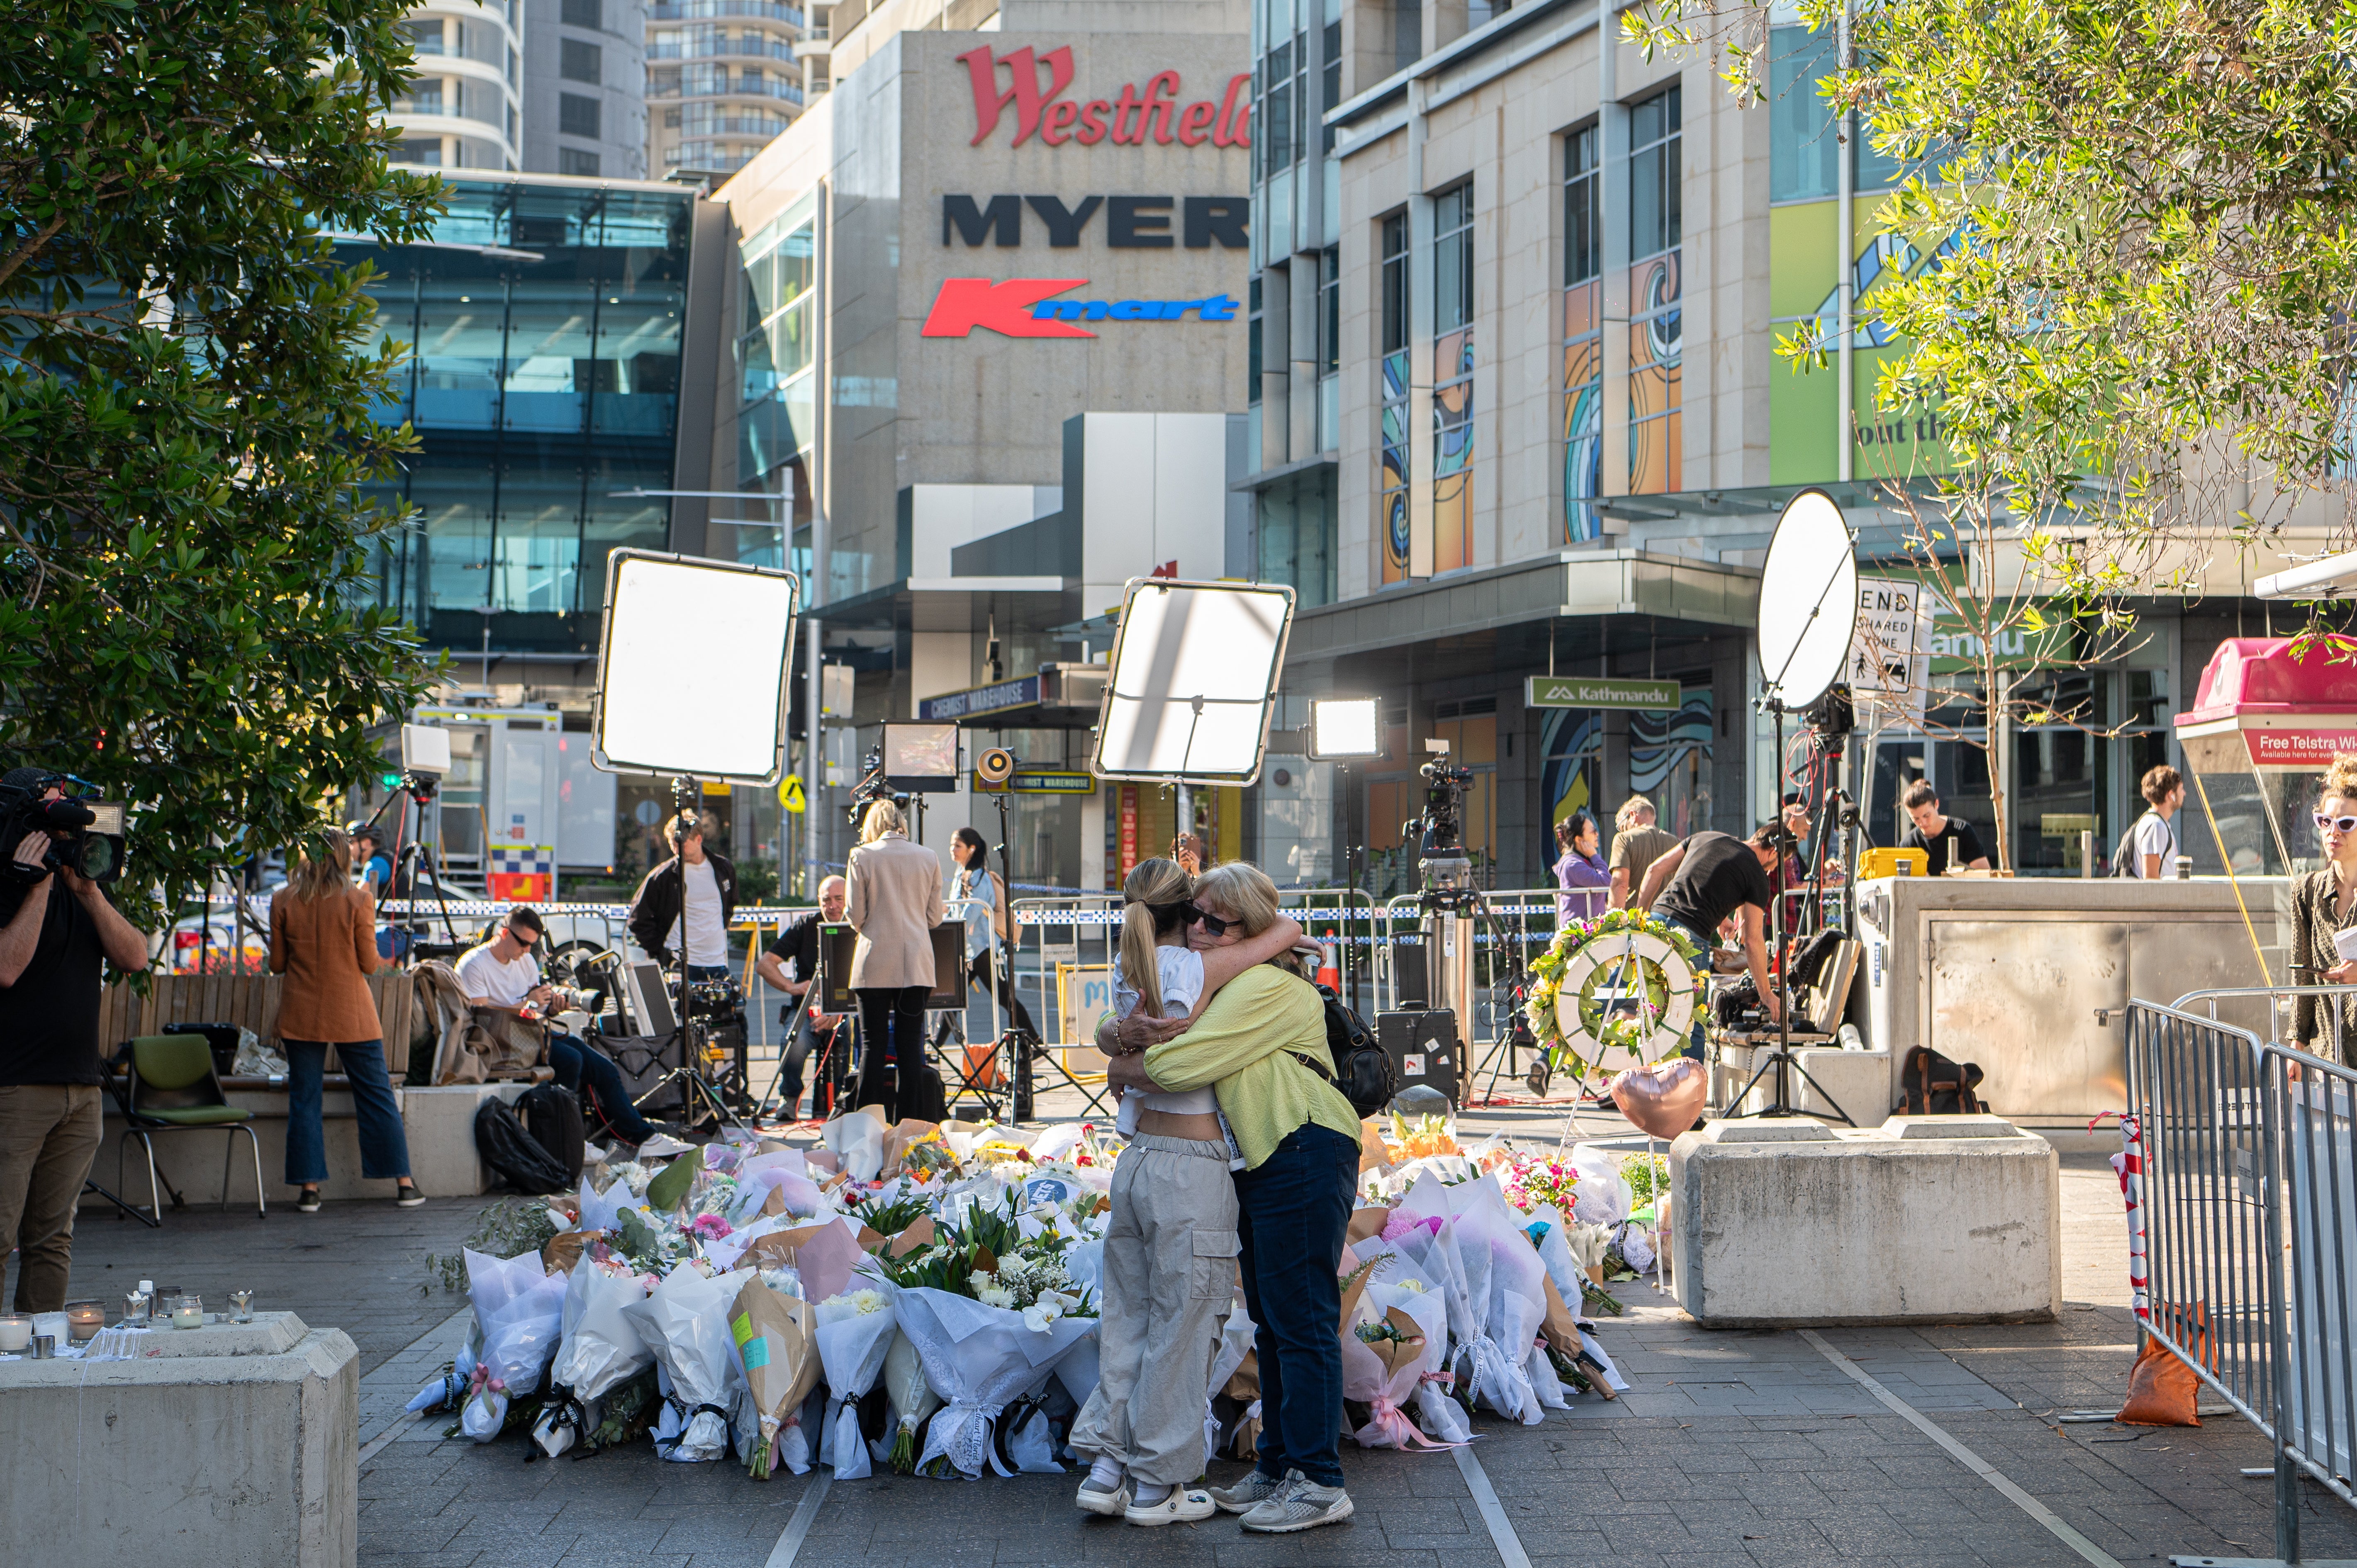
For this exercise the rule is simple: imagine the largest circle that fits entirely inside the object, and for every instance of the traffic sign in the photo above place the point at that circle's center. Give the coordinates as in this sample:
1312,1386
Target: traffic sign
790,794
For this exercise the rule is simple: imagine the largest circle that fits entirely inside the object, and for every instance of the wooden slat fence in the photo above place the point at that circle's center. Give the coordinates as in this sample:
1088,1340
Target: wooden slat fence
248,1001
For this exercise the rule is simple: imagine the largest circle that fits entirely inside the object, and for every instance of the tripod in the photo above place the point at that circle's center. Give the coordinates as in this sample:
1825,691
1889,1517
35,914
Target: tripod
1022,1047
688,1031
1781,1059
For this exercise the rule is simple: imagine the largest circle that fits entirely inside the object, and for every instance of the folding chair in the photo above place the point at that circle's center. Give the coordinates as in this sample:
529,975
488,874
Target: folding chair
170,1087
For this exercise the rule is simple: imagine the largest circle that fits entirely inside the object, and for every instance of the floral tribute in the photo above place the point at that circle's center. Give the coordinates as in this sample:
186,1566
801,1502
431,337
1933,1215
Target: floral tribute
1599,962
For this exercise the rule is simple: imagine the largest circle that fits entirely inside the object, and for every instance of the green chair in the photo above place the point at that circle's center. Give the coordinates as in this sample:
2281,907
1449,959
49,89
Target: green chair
169,1085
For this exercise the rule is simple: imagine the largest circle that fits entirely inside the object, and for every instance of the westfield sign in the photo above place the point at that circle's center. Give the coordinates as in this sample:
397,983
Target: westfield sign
1041,108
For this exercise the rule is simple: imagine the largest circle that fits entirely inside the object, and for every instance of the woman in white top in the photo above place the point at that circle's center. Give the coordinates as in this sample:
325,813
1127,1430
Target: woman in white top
985,906
1170,1244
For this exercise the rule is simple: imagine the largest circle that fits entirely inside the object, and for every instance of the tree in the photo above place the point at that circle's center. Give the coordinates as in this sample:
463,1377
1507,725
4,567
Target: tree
186,435
2153,297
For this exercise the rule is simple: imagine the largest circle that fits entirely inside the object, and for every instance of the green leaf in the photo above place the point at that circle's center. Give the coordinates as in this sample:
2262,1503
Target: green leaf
669,1189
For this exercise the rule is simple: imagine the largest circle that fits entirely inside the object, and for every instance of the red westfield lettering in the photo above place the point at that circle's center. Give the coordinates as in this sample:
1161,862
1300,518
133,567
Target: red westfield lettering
1129,121
965,304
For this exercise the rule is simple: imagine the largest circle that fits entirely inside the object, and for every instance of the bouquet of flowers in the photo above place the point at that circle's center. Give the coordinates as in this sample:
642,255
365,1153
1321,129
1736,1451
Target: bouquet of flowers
685,1321
913,1401
1530,1180
600,1350
1553,968
854,1332
518,1317
778,1349
979,1358
1399,1336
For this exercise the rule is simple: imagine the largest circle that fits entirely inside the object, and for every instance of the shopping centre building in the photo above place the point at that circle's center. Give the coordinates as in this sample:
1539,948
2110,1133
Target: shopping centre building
1454,320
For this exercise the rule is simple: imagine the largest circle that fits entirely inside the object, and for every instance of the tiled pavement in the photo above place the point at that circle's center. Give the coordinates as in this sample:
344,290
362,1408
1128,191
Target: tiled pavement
1747,1450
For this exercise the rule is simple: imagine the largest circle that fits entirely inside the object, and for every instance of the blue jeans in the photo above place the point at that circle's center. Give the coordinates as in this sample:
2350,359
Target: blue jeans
1702,1004
384,1148
577,1063
1294,1208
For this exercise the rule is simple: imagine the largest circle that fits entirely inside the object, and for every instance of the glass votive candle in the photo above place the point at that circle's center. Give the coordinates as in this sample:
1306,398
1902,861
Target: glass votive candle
136,1305
240,1306
189,1311
15,1332
83,1320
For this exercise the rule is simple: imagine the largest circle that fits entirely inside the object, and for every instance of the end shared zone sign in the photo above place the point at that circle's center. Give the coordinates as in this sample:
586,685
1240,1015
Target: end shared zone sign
1602,691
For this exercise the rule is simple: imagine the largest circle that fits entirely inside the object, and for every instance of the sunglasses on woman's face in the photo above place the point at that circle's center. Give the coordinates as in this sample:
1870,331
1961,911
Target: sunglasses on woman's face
1196,915
2335,825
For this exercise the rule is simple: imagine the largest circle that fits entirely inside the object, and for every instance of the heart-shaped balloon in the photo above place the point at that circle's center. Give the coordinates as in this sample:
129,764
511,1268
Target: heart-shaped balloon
1663,1100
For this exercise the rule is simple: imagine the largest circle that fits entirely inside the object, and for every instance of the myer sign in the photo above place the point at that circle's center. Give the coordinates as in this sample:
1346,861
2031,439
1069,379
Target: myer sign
1602,691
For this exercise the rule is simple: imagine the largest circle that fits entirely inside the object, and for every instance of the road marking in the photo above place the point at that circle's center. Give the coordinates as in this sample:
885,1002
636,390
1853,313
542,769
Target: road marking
782,1554
1966,1457
1485,1497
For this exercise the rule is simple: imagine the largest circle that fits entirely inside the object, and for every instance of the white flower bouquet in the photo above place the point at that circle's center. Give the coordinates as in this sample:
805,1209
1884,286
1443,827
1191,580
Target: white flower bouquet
685,1322
979,1357
854,1332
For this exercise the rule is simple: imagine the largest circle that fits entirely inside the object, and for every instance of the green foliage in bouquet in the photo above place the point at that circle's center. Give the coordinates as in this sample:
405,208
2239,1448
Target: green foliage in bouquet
510,1227
670,1189
891,1218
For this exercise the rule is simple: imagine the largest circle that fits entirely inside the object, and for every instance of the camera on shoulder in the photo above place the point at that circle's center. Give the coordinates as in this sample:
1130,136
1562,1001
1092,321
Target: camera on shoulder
86,834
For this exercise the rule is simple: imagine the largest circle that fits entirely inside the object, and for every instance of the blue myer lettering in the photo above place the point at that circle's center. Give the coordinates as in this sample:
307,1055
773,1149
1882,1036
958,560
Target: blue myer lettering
1132,222
1219,308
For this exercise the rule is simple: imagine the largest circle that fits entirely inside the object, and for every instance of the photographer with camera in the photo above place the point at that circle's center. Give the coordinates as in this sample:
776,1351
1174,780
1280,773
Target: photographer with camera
54,944
800,942
1714,881
685,904
503,975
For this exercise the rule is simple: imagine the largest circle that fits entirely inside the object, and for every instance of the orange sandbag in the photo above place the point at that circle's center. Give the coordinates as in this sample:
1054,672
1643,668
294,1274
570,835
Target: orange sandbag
2163,1389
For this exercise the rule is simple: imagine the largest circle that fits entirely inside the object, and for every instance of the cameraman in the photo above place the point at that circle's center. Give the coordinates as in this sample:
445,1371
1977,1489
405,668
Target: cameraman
51,948
799,942
705,883
1713,879
501,973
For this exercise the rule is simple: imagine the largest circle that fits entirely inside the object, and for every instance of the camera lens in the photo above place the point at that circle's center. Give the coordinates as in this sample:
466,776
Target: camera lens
97,858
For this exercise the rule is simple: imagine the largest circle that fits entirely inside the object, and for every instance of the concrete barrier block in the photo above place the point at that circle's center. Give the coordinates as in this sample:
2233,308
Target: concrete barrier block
1926,1219
187,1457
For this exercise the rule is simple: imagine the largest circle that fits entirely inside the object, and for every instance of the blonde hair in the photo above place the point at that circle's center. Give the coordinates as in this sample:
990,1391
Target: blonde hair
2341,778
1153,890
1635,812
883,817
315,877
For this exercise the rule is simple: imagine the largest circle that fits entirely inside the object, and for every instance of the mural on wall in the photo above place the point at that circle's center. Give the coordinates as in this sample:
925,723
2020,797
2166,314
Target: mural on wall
1452,452
1394,466
1571,748
1669,760
1583,412
1656,343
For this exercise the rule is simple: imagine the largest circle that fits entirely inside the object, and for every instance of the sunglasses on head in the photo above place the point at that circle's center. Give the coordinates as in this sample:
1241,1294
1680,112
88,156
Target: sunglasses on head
2340,824
1194,913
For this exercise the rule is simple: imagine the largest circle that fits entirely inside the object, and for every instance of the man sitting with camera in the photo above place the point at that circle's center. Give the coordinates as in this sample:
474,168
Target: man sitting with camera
800,942
1716,880
501,973
53,943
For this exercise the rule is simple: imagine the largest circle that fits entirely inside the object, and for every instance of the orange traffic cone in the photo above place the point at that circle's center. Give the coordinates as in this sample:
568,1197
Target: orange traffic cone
1329,975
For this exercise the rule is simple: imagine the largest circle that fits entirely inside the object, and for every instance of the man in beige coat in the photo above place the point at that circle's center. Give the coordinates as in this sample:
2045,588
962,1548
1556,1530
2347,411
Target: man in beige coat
896,902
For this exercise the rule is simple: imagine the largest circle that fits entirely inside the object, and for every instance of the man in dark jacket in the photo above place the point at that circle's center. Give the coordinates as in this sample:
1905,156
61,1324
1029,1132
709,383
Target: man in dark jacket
658,922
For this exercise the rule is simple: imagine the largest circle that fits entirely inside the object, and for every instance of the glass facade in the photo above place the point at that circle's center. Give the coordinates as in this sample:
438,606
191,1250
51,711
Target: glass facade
1583,337
1656,226
777,417
1453,424
545,323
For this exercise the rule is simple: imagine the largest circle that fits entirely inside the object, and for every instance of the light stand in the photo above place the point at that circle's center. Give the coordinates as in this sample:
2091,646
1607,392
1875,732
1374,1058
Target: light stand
686,1033
1022,1047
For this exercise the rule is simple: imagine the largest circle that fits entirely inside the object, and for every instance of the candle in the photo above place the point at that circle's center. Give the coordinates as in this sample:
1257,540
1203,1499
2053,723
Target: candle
240,1306
84,1319
15,1331
189,1311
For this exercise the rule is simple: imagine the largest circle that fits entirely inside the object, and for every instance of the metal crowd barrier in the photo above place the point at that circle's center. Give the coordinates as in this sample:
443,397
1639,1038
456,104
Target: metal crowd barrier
2249,1211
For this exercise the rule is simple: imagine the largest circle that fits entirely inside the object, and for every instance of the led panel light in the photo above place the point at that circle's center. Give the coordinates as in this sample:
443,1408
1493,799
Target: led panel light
1194,668
1342,727
692,665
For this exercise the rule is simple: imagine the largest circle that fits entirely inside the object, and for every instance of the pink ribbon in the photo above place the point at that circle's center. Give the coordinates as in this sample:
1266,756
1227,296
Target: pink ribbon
1390,1427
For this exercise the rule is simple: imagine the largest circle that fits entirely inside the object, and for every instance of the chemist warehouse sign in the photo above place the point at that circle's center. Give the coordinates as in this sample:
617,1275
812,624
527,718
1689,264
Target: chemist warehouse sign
1028,95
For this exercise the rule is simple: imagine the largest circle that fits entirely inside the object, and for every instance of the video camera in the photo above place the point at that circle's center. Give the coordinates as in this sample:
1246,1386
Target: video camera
1440,831
872,788
87,835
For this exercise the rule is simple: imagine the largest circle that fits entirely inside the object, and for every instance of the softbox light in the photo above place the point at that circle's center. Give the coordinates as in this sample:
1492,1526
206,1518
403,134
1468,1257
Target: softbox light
692,667
1194,666
1342,728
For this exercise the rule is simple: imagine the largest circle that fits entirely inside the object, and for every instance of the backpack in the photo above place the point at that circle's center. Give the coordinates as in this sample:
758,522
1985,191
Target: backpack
513,1153
552,1114
1931,1085
2126,861
1361,1068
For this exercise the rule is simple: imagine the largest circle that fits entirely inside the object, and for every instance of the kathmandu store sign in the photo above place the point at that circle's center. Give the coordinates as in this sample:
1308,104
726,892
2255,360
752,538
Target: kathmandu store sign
1020,307
1155,114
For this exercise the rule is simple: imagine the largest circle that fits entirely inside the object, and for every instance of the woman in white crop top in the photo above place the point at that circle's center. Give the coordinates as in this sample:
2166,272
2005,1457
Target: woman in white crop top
1170,1242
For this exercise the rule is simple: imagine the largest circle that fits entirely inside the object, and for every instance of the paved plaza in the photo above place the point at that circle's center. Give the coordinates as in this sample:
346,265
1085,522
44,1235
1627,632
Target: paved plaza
1731,1448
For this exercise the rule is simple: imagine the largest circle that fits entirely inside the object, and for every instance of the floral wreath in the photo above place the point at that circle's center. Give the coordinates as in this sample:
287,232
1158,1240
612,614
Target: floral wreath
1568,1017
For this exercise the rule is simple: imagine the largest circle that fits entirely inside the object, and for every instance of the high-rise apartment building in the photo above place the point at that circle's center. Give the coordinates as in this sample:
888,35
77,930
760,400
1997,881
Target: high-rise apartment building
585,88
724,77
540,86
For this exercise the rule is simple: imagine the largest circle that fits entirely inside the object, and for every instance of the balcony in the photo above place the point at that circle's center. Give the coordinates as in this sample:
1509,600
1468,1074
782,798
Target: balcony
733,126
717,85
714,48
704,10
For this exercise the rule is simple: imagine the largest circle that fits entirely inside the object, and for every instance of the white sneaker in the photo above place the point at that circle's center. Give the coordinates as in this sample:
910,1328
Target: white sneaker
1113,1503
1301,1505
1183,1506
